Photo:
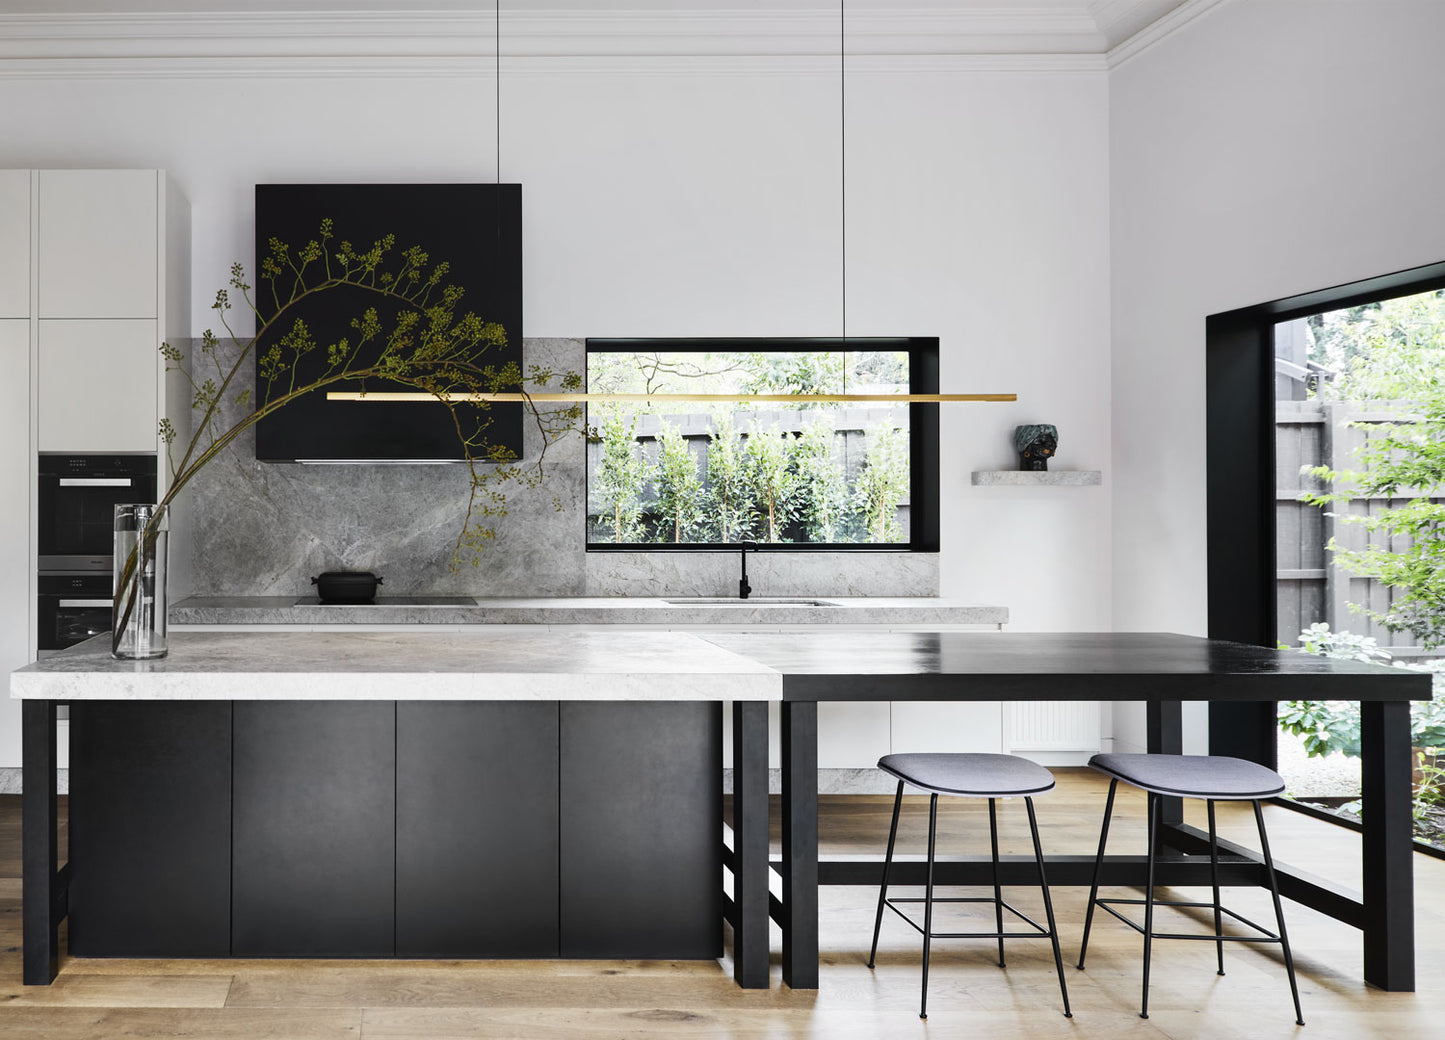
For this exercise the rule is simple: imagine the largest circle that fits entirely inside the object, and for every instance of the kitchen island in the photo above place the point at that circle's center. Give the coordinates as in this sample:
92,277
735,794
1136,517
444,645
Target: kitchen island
655,841
370,794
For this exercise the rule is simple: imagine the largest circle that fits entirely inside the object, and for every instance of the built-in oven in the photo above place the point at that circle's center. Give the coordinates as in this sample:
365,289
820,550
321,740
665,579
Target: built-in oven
77,499
72,608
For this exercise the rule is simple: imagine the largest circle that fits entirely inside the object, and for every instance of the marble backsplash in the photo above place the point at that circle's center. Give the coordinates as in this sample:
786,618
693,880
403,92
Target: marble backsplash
264,529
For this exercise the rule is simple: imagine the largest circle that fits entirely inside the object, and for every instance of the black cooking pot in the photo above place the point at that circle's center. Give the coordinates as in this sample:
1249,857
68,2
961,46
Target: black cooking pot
346,586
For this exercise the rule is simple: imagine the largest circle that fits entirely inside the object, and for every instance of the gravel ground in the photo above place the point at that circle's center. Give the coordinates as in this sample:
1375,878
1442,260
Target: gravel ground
1334,776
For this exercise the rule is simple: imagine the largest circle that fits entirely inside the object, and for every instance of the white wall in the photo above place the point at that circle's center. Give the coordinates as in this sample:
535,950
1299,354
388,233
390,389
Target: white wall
1271,147
707,203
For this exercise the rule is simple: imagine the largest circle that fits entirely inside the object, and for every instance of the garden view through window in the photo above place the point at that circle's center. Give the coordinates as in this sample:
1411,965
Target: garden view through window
809,474
1360,468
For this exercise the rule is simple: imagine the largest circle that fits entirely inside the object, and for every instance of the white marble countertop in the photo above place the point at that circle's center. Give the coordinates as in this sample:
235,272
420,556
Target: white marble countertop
661,611
412,665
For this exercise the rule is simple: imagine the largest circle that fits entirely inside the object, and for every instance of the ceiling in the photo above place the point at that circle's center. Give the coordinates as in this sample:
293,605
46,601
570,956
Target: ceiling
55,28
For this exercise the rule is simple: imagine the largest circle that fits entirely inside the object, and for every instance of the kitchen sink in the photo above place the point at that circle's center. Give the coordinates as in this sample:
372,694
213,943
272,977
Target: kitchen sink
754,601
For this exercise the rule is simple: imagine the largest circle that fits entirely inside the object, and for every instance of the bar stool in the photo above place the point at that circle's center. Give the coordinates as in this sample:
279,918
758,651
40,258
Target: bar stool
969,776
1215,779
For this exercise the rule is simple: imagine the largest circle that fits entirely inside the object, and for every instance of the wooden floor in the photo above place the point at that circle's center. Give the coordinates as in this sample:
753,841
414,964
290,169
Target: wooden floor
969,995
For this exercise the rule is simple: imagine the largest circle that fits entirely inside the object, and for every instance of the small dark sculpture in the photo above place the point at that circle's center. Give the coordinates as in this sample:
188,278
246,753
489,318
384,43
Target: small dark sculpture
1036,444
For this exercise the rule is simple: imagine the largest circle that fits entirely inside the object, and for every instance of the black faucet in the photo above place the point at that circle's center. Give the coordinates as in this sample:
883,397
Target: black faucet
743,587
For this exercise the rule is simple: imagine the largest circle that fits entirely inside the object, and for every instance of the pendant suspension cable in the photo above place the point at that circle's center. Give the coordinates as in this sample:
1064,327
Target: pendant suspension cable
497,195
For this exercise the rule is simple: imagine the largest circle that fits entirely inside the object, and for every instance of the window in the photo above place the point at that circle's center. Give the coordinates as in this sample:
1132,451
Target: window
1346,379
806,475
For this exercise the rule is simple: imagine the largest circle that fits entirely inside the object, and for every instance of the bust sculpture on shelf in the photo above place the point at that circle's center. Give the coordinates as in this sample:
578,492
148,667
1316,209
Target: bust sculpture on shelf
1036,444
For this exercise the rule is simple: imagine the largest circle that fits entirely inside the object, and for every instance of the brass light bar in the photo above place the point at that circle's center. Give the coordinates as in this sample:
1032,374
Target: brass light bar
580,398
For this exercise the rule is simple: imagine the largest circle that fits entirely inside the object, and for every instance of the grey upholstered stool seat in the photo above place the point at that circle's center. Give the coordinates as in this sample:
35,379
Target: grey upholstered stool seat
970,775
1193,776
1212,778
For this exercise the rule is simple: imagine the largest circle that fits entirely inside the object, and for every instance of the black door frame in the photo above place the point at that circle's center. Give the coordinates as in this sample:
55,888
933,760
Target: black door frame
1240,481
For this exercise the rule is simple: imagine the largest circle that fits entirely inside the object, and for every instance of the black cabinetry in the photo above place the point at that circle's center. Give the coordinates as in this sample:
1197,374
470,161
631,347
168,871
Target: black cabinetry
412,829
150,829
314,825
641,830
476,829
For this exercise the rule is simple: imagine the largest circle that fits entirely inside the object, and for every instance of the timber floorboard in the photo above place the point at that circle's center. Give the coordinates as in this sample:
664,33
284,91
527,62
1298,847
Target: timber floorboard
969,996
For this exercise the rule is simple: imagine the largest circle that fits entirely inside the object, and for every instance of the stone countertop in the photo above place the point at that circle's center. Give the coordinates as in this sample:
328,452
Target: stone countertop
409,665
660,611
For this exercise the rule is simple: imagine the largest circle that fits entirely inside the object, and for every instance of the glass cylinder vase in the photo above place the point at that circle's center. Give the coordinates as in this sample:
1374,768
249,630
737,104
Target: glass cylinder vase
138,621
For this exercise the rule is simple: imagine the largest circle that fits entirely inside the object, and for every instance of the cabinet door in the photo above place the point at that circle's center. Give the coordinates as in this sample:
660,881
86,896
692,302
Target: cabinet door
17,608
852,735
641,800
964,726
150,829
98,244
14,243
476,829
98,385
314,832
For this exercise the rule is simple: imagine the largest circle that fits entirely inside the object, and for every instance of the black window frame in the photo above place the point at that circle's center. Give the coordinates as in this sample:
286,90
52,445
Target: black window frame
1240,491
923,443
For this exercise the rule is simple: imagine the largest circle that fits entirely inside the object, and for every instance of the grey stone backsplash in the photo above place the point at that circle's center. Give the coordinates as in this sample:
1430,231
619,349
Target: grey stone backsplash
264,529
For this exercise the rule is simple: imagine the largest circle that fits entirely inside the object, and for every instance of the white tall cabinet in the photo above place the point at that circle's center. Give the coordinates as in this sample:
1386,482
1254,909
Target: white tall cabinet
94,276
17,481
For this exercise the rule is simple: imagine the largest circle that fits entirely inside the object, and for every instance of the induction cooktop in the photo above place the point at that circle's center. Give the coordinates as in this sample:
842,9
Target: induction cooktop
394,601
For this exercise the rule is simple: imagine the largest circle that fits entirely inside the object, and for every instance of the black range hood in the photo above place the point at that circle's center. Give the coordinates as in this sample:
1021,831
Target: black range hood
477,228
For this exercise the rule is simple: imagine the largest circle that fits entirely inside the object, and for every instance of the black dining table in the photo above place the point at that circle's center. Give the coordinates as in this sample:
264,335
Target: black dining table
1162,670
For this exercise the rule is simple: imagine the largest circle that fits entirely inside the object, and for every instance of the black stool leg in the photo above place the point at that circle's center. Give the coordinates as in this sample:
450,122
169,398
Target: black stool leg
1098,865
1149,900
997,891
1278,911
1214,882
887,862
1048,905
928,901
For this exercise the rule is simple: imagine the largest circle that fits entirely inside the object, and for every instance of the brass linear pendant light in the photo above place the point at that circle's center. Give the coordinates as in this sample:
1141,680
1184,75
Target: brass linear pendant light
586,398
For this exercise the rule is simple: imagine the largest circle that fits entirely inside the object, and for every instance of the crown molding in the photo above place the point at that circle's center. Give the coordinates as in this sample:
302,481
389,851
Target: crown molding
575,33
452,67
462,44
1159,30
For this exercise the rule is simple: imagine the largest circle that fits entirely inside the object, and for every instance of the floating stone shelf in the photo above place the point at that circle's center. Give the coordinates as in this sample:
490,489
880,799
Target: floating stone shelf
1037,478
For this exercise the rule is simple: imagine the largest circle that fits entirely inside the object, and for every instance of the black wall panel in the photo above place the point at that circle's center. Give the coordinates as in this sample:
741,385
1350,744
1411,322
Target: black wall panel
641,800
150,829
476,829
314,817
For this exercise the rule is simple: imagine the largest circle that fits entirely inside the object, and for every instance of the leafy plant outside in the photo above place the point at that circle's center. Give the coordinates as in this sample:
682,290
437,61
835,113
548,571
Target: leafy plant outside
775,482
620,477
732,492
883,483
1395,351
680,497
825,505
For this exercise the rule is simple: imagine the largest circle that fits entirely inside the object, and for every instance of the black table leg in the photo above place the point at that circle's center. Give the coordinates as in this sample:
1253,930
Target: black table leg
750,844
1386,765
1166,737
800,844
41,888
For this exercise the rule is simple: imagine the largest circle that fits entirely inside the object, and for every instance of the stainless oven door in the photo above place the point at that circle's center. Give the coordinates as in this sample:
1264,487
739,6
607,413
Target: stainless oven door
77,500
71,609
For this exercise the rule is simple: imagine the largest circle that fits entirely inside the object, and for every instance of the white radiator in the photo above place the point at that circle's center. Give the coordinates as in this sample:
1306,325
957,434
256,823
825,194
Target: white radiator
1052,726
